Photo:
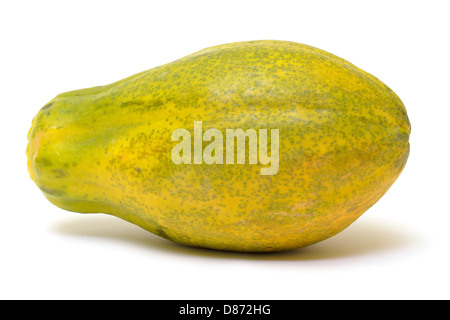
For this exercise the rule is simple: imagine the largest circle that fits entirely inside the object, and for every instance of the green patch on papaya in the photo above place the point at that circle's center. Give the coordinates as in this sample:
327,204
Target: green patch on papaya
131,103
53,192
47,106
59,173
160,232
44,161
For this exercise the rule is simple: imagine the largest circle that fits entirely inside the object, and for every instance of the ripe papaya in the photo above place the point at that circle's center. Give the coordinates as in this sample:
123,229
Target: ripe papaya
248,146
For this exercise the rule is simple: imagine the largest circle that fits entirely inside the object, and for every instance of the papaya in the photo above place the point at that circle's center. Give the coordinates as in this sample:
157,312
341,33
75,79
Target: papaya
251,146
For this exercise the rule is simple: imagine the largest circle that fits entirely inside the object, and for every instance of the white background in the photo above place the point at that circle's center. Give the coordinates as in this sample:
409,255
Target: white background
399,249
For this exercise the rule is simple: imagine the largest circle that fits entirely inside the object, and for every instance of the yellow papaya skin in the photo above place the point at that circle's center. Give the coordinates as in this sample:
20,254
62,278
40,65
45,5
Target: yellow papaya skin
343,141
